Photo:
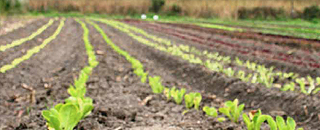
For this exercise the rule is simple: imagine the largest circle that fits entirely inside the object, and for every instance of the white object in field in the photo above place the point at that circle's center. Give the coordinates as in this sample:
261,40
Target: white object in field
155,17
143,16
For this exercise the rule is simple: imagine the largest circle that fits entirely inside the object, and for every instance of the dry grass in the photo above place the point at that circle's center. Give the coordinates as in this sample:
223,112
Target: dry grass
228,8
195,8
92,6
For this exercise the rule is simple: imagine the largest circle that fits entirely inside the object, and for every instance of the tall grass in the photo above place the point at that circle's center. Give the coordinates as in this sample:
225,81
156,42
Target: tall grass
228,8
91,6
194,8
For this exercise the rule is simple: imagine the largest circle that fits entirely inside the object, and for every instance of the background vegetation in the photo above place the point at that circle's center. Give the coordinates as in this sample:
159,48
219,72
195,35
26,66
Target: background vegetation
226,9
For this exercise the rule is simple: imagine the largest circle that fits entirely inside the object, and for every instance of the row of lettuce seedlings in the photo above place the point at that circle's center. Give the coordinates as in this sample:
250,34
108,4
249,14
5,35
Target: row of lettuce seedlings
65,116
35,49
231,109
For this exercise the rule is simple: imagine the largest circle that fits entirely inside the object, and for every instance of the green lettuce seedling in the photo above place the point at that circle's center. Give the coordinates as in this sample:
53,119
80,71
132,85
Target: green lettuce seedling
62,116
301,82
290,86
155,83
188,99
311,83
290,124
84,104
167,93
239,62
210,111
177,95
232,110
197,100
193,99
229,72
318,80
257,121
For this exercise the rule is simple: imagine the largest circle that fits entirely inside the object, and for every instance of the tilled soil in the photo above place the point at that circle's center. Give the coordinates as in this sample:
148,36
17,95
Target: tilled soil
270,101
18,51
276,56
277,39
49,74
121,101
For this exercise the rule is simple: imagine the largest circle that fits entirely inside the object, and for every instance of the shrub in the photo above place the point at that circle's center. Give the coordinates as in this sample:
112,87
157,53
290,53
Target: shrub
261,13
175,10
156,5
312,12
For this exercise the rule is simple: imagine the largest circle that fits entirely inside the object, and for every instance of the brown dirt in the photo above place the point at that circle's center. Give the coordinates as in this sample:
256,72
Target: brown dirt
118,93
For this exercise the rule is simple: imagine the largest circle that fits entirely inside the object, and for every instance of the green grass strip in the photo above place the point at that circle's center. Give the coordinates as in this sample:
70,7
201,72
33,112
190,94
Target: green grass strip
23,40
32,51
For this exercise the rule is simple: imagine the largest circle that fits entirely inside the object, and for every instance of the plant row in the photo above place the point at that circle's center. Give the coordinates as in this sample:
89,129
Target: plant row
23,40
33,51
231,109
300,32
295,32
65,116
274,29
13,26
257,73
242,49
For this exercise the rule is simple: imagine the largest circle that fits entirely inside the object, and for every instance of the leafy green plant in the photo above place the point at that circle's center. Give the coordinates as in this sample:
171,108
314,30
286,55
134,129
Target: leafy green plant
257,121
62,116
155,83
177,95
167,93
301,82
197,100
188,99
232,110
193,99
210,111
239,62
290,124
312,85
290,86
229,72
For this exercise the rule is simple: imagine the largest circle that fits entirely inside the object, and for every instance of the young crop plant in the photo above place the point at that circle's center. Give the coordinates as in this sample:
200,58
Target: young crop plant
155,83
302,84
34,50
289,86
290,124
210,111
62,117
167,93
229,72
256,121
232,110
193,99
23,40
177,95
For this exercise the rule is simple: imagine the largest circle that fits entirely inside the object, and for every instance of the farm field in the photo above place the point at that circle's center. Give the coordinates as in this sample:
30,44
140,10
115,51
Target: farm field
136,74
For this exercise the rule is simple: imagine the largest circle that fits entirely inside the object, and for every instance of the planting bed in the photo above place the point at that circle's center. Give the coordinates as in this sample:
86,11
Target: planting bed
270,38
122,101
